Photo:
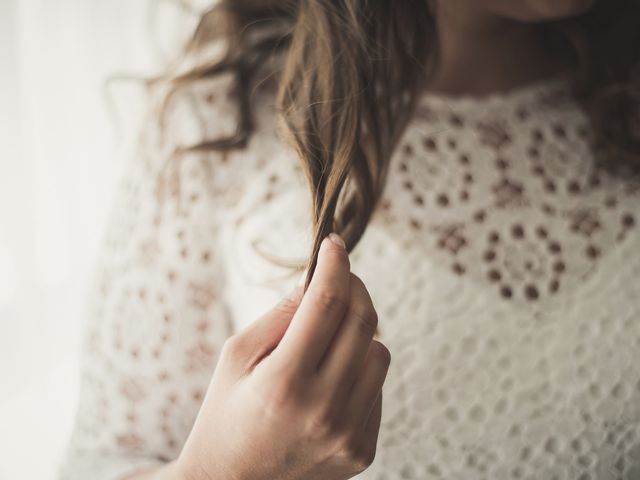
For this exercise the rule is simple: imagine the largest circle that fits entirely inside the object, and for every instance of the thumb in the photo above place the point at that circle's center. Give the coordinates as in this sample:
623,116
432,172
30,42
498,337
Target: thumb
259,338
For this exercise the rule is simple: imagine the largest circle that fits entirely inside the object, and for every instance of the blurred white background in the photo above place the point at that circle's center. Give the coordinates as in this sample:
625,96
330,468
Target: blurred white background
60,158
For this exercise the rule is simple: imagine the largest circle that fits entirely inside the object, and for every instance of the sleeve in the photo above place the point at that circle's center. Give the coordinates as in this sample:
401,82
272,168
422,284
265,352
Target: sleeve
157,318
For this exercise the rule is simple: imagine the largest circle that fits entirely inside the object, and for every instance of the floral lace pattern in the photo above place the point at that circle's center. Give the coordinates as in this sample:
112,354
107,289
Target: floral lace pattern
526,193
502,262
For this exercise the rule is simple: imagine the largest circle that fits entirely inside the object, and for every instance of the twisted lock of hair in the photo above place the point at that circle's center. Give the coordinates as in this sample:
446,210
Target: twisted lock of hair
345,91
353,70
351,73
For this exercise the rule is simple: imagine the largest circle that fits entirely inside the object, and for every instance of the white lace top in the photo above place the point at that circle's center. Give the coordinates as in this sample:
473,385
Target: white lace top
503,265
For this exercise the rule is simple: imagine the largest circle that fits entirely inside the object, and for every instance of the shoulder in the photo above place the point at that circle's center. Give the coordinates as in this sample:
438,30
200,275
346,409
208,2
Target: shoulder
205,111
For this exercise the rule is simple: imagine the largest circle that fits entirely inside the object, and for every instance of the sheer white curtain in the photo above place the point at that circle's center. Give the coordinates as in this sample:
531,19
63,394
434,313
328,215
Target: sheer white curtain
59,160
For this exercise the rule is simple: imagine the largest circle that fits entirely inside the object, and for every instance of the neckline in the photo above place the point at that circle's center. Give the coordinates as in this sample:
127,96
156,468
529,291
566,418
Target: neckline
527,93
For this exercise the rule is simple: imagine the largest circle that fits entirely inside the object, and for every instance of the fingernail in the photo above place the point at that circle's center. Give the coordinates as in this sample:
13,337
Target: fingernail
337,239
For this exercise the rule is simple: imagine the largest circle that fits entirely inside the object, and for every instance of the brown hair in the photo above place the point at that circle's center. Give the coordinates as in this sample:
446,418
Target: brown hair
349,76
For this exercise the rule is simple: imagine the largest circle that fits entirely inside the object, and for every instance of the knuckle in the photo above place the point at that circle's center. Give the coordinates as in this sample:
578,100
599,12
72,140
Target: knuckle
330,299
280,392
381,352
358,287
356,282
328,424
356,455
367,319
232,346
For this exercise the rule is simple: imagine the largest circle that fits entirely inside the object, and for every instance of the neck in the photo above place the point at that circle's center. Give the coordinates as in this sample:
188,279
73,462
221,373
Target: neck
480,54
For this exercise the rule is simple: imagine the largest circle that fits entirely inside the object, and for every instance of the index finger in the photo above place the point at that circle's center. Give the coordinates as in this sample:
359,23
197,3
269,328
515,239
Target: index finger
321,310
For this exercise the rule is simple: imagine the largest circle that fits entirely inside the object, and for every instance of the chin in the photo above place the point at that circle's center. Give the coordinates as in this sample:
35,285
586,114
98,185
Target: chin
540,10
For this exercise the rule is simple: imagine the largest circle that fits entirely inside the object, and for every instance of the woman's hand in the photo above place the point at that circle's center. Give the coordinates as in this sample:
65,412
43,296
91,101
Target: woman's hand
297,394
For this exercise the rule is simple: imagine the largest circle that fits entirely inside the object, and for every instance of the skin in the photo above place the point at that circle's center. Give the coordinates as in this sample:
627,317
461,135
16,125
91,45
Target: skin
494,45
298,393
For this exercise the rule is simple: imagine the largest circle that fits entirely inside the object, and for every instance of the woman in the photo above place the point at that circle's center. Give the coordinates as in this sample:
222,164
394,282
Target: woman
479,160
